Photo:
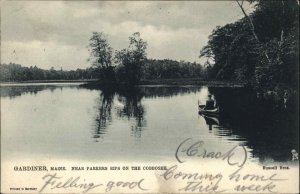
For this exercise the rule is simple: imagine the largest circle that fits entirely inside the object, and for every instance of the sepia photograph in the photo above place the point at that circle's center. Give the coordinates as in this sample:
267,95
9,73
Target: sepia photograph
149,96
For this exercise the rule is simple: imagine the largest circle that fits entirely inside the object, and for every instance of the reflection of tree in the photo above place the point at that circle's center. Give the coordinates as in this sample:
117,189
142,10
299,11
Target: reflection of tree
103,116
270,131
15,91
133,108
169,91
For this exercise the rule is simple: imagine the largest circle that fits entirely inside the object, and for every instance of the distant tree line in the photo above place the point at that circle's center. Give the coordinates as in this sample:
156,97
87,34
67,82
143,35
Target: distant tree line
261,49
171,69
15,72
152,69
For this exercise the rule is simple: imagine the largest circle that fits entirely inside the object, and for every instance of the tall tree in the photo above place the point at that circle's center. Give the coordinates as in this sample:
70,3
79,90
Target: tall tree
253,29
261,48
101,56
131,60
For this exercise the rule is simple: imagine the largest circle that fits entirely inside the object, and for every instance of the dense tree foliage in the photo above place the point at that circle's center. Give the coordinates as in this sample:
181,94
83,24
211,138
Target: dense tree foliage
261,48
131,60
171,69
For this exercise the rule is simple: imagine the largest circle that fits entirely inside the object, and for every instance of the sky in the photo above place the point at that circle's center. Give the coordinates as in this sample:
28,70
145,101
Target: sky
56,33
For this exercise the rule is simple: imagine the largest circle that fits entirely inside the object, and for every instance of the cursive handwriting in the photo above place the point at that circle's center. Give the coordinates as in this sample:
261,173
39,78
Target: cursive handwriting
53,181
196,182
212,183
197,149
130,185
258,182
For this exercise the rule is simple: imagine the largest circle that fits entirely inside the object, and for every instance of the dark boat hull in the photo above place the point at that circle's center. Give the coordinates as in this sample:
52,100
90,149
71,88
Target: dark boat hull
214,111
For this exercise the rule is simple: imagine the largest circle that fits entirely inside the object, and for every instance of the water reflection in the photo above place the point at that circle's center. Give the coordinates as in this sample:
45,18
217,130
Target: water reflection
271,130
211,121
16,91
127,104
132,108
145,121
103,113
167,91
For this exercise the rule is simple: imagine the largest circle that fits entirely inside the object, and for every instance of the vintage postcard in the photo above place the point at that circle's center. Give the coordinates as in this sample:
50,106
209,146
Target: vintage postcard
149,96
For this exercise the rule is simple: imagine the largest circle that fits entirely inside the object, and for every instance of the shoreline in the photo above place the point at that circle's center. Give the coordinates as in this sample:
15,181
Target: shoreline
143,83
191,82
48,81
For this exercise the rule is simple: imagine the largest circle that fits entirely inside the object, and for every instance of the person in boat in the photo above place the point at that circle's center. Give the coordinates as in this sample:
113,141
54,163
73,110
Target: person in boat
210,103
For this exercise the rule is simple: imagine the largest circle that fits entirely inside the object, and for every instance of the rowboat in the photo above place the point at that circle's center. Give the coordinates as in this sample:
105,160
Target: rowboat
214,111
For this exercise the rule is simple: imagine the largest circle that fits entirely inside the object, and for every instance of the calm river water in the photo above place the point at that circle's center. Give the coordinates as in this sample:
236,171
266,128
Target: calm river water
71,122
